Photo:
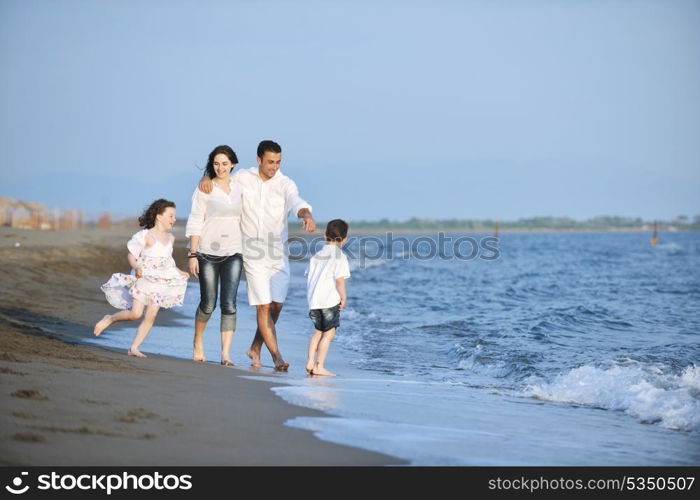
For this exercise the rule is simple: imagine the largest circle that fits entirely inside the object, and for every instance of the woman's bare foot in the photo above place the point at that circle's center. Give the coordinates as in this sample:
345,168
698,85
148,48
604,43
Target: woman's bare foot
198,351
309,367
102,324
254,358
227,362
136,353
322,371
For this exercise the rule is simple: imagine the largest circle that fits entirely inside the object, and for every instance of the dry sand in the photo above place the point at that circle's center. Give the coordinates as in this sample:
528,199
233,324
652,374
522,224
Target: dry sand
70,404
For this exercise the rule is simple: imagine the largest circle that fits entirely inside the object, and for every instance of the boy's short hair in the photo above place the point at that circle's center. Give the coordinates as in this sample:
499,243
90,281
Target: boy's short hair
336,230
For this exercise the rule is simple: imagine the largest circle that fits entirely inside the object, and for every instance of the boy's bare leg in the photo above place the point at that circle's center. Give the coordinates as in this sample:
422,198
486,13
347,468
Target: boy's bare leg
313,346
226,339
323,347
126,315
198,342
256,346
266,326
143,330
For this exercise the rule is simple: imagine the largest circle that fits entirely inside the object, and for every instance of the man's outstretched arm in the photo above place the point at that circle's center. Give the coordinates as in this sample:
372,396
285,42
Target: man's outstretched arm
308,223
300,207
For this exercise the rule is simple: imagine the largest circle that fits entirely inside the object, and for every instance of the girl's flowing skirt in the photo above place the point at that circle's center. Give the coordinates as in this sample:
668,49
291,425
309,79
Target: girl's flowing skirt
161,284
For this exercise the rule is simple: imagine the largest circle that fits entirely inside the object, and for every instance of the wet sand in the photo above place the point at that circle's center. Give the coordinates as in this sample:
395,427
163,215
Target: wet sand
68,404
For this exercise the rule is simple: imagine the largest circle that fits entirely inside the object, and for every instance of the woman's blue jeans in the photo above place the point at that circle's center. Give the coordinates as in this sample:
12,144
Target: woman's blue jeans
213,271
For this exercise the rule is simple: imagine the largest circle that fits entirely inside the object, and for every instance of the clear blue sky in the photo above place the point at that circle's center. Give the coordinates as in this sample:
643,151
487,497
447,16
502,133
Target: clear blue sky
467,109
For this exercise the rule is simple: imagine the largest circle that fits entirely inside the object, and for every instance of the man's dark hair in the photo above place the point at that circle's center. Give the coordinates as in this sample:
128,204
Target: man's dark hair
270,146
336,230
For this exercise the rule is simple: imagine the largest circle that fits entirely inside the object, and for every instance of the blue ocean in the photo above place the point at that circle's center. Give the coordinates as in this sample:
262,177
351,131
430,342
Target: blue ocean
533,349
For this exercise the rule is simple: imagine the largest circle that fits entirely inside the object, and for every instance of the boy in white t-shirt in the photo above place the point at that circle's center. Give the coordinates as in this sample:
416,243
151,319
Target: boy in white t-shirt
325,291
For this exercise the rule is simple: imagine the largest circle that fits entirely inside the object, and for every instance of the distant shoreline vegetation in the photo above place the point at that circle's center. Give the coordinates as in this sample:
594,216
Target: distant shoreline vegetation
542,223
607,223
22,214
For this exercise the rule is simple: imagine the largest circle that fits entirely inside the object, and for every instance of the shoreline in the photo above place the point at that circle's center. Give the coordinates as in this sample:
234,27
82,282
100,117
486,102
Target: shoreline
69,403
48,238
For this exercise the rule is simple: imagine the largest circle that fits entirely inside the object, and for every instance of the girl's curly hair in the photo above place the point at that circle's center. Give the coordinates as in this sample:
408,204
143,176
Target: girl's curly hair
148,218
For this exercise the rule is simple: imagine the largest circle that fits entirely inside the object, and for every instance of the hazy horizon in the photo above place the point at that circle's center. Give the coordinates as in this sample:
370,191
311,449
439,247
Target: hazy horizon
468,110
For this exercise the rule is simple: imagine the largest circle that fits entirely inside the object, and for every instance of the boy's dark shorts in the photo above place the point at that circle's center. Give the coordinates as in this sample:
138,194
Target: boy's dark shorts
325,319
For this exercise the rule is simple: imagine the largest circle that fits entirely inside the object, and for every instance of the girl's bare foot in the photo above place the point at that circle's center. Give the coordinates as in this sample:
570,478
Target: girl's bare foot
227,362
136,353
102,324
322,371
254,358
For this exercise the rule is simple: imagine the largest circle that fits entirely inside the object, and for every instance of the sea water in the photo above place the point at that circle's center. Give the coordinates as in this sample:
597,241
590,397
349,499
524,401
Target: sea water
537,349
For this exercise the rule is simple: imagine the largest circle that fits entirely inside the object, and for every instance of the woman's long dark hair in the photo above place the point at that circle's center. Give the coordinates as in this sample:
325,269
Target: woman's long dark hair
219,150
148,218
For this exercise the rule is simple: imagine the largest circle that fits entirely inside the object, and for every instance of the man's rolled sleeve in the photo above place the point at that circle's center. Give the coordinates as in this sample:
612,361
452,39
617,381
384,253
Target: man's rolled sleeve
294,201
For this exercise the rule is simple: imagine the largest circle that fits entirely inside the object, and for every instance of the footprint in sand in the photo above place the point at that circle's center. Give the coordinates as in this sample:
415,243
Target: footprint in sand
136,414
10,371
29,437
8,356
93,402
29,394
24,414
90,431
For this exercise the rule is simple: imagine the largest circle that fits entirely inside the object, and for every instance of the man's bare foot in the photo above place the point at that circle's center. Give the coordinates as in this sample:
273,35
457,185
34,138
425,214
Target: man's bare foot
136,353
227,362
254,358
102,324
198,357
281,365
322,371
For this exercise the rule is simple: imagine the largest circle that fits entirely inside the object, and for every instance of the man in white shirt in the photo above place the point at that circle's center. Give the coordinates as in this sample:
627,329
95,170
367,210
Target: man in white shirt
267,196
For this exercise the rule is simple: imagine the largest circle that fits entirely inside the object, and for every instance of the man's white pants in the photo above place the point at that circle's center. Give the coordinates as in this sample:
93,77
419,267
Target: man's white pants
268,280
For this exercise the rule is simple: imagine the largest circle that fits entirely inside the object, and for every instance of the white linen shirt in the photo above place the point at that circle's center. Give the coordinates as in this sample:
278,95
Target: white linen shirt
327,265
266,207
216,219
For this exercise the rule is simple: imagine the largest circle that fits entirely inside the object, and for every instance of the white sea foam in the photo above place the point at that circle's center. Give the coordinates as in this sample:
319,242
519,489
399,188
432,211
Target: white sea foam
647,392
357,264
353,314
672,247
475,364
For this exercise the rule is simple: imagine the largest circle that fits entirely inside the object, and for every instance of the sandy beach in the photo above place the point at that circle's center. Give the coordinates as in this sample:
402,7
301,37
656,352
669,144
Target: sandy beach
69,404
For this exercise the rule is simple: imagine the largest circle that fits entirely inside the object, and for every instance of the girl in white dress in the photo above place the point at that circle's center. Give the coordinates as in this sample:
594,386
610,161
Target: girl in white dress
155,281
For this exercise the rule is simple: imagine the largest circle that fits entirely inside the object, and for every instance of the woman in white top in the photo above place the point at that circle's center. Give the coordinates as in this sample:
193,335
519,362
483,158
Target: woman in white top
213,228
